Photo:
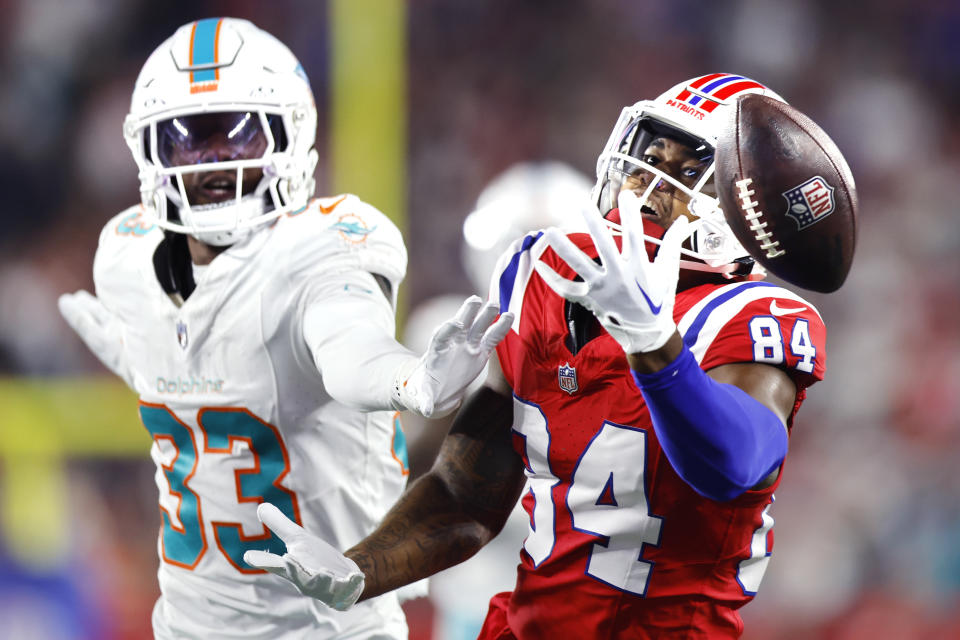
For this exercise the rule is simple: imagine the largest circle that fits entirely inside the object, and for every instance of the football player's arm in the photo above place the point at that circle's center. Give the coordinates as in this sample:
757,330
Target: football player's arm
348,326
718,437
458,506
100,330
444,518
98,326
724,431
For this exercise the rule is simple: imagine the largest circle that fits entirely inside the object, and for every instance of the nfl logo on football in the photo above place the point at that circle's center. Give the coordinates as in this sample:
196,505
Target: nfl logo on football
567,376
810,202
182,334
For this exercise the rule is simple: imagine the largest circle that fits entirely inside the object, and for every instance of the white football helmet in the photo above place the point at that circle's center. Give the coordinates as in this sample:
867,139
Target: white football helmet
219,101
692,113
526,196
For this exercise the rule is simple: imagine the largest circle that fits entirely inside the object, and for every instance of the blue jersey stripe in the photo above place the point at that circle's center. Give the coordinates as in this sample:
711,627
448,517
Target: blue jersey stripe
693,332
205,49
509,275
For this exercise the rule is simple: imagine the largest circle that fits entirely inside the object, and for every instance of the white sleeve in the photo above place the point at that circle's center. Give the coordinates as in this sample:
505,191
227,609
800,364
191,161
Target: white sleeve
348,325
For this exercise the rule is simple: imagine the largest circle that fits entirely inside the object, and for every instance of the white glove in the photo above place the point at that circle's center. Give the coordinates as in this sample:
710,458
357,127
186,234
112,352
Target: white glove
314,567
98,328
630,296
458,351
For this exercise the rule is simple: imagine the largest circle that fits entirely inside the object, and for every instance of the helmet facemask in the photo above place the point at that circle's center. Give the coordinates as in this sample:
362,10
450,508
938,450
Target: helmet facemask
211,154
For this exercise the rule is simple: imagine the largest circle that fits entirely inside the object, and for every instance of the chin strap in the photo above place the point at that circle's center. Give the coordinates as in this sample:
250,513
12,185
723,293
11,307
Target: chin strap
736,269
726,270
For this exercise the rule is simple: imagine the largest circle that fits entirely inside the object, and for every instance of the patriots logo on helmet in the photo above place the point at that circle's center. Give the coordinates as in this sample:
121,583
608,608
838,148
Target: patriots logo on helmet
706,92
810,202
567,377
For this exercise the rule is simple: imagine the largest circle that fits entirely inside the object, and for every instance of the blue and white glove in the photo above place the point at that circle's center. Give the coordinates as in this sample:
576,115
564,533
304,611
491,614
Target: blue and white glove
99,329
314,567
458,351
631,297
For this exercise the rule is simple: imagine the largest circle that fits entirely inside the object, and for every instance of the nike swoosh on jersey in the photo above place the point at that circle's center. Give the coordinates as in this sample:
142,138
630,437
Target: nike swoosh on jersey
777,311
325,210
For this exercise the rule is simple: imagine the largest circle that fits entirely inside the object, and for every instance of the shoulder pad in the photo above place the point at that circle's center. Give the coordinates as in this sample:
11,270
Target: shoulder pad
756,322
126,246
129,224
513,271
342,232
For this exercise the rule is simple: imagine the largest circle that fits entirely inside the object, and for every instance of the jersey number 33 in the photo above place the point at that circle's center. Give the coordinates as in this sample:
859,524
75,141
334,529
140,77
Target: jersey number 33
184,535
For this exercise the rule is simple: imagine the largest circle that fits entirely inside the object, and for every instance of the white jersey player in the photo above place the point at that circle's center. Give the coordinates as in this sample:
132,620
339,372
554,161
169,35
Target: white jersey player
256,325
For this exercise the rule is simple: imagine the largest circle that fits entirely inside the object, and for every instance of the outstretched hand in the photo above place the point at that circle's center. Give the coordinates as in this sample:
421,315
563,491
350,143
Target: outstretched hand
457,353
98,328
314,567
631,296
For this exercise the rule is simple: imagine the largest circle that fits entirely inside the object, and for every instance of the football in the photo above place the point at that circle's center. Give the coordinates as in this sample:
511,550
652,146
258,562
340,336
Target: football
787,193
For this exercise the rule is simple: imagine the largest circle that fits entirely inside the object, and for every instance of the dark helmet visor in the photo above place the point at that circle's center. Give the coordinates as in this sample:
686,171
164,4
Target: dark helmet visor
215,137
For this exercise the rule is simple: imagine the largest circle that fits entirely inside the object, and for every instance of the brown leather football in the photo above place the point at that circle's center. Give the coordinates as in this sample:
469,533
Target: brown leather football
787,193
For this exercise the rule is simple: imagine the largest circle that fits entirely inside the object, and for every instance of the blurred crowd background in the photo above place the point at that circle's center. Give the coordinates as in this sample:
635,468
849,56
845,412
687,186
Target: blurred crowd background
868,514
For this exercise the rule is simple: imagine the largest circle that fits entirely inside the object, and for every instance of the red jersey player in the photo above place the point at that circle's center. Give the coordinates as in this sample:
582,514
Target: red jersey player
644,397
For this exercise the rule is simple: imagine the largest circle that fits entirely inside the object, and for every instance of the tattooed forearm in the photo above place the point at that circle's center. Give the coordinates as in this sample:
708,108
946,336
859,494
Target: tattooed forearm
416,540
453,510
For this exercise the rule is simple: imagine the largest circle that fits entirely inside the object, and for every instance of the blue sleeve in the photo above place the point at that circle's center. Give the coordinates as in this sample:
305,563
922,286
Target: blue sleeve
718,439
